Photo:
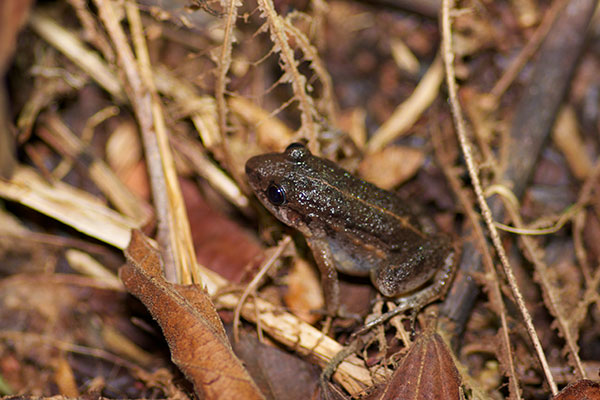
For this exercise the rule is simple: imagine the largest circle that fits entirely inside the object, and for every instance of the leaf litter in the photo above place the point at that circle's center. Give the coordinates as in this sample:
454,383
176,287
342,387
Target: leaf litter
207,85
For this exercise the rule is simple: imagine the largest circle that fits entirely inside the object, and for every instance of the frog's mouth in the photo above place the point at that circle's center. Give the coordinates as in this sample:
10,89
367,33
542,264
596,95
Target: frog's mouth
292,218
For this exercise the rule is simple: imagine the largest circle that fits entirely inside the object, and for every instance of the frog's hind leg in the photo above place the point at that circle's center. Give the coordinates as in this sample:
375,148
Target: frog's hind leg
440,283
419,299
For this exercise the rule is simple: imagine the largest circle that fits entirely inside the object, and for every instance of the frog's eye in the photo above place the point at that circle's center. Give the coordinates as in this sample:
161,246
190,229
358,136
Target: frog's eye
296,151
294,145
276,194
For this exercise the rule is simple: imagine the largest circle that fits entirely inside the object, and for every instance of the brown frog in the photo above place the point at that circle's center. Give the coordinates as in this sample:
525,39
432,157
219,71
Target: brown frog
353,226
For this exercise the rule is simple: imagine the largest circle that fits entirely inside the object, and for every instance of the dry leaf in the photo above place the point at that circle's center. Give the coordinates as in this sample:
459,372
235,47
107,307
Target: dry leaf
13,14
191,326
280,375
390,166
304,293
568,138
584,389
426,372
47,319
215,234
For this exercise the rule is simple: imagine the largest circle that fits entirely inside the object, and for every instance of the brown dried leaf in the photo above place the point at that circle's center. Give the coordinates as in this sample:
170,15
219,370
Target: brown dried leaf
391,166
568,138
279,375
191,326
215,234
581,390
427,372
304,293
272,134
46,318
12,16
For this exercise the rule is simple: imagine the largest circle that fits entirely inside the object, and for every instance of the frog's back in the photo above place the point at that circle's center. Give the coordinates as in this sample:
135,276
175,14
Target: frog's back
355,204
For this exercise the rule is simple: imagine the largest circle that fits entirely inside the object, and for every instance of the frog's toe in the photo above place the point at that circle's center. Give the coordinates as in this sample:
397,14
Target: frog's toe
344,313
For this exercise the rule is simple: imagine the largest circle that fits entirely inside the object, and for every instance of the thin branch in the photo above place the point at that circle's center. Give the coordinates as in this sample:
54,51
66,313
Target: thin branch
533,44
317,65
553,301
290,65
223,63
251,287
461,129
176,228
493,283
407,113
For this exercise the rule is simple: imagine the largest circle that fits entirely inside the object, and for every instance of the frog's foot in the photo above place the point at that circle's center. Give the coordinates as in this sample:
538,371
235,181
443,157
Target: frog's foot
414,302
341,312
413,319
327,325
327,322
333,364
371,323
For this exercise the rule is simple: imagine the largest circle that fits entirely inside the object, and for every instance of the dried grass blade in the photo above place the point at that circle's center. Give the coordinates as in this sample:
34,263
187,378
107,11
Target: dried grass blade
68,205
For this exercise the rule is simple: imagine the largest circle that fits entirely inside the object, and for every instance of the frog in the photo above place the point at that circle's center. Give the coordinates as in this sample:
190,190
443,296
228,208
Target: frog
354,227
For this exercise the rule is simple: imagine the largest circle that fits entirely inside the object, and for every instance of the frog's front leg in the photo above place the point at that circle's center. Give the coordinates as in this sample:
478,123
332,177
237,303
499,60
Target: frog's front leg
329,277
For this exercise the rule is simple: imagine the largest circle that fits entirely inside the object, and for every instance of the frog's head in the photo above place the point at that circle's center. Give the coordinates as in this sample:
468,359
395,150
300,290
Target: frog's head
277,179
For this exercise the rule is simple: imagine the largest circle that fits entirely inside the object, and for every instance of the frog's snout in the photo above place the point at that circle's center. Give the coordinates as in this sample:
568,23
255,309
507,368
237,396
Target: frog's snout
264,169
250,165
251,173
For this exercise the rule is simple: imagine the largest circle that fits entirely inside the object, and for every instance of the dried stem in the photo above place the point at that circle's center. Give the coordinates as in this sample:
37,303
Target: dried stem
493,283
251,287
553,301
517,65
279,36
485,210
224,62
311,53
173,226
